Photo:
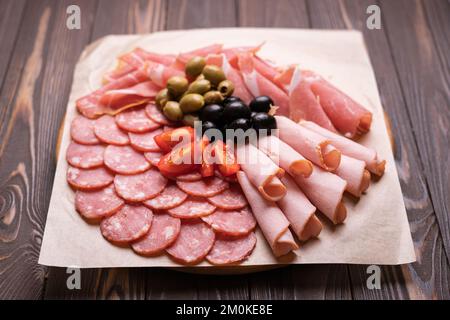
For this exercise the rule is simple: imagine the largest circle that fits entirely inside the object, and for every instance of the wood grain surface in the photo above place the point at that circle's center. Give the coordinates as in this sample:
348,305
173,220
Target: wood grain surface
37,56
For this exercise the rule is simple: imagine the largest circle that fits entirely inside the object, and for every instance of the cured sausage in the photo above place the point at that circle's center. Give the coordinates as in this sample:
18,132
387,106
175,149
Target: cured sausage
206,187
125,160
83,156
233,223
228,250
82,130
230,199
144,141
141,186
89,179
156,115
193,176
94,205
170,197
107,131
136,120
153,157
192,208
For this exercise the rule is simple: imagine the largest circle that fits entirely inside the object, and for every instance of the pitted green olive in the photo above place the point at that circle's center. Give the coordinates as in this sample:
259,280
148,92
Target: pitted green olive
212,97
195,66
226,88
189,119
199,86
161,98
214,74
192,102
177,85
173,111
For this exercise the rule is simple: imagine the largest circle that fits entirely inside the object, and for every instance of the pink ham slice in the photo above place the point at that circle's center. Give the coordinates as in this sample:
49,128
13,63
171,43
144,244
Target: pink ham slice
299,211
163,232
85,157
108,132
139,56
202,52
89,179
233,52
159,73
228,250
206,187
194,242
169,198
137,94
192,208
230,199
350,148
354,173
136,120
82,130
325,191
263,173
265,69
141,186
125,160
153,157
233,223
128,224
271,220
120,71
289,159
309,144
157,116
94,205
144,141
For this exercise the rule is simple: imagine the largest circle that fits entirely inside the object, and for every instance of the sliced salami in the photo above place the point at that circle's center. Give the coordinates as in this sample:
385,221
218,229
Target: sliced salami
156,115
194,242
230,199
192,176
144,141
107,131
125,160
192,208
136,120
233,223
231,178
94,205
83,156
206,187
171,197
163,232
141,186
227,250
89,179
128,224
82,130
153,157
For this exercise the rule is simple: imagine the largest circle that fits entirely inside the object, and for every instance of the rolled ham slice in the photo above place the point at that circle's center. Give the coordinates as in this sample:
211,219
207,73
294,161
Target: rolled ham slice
283,154
271,220
350,148
353,171
309,144
325,191
299,211
263,173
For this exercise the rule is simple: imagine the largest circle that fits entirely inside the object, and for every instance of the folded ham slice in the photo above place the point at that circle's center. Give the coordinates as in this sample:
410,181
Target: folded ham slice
121,70
160,73
353,171
139,56
184,57
350,148
299,211
325,191
263,173
283,154
232,53
271,220
309,144
137,94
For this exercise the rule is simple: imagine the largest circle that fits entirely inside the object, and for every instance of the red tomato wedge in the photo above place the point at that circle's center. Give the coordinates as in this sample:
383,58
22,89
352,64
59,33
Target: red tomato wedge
226,161
169,139
178,161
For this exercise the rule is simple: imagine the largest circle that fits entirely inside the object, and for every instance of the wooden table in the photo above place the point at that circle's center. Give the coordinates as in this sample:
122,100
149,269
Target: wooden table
411,57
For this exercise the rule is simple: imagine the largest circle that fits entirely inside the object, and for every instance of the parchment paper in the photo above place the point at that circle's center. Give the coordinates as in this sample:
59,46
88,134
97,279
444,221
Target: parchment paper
376,230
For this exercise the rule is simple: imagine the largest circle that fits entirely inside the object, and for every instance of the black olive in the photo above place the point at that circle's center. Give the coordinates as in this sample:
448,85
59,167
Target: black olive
263,120
230,100
211,112
261,104
252,114
240,123
209,129
235,110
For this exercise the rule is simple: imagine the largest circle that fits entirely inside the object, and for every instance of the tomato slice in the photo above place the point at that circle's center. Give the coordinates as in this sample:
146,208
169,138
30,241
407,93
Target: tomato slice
178,161
226,161
167,140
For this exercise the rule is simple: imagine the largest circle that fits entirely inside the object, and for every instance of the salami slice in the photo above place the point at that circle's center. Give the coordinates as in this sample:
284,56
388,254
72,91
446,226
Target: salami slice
194,242
192,176
144,141
171,197
141,186
107,131
163,232
128,224
94,205
89,179
231,178
82,130
157,116
206,187
136,120
125,160
230,199
233,223
228,250
83,156
153,157
192,208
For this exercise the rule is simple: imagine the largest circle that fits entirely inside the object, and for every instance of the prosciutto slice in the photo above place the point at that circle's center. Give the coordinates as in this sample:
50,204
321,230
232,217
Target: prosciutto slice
309,144
138,94
233,52
271,220
121,70
350,148
299,211
263,173
184,57
139,56
160,73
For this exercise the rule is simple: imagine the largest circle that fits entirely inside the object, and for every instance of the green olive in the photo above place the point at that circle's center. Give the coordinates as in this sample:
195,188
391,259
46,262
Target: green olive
195,66
226,88
200,77
214,74
177,85
199,86
192,102
213,97
189,119
173,111
161,98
